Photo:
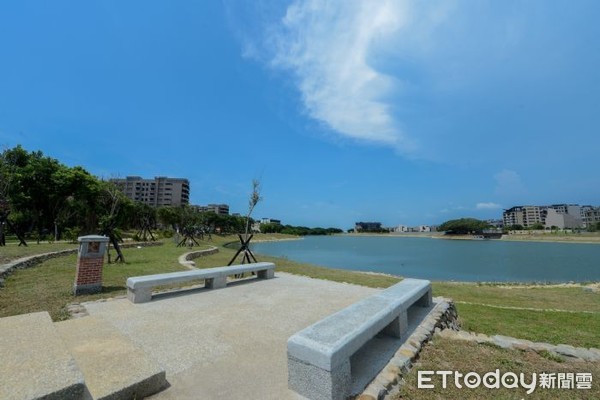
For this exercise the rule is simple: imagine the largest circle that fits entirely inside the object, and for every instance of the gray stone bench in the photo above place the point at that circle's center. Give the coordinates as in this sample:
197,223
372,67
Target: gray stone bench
139,288
319,355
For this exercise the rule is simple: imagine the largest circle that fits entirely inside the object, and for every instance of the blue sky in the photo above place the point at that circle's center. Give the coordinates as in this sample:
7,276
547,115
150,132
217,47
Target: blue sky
393,111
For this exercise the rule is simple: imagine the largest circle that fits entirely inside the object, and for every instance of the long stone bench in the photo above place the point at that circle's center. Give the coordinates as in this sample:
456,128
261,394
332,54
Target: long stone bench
319,355
139,288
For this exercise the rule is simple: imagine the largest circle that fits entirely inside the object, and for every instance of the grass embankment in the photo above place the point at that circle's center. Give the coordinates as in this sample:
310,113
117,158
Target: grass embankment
583,237
12,251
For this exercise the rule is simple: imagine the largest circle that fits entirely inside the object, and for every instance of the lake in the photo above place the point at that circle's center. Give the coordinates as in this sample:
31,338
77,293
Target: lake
440,259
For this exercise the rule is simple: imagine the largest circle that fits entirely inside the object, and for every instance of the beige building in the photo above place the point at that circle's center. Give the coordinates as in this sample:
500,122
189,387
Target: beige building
157,192
592,216
562,220
562,216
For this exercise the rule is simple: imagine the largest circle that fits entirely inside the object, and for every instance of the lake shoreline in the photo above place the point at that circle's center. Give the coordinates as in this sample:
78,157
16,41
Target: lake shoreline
534,238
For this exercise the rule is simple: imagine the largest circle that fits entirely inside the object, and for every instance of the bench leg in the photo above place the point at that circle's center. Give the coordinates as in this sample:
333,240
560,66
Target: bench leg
426,300
398,327
266,274
141,295
313,382
216,283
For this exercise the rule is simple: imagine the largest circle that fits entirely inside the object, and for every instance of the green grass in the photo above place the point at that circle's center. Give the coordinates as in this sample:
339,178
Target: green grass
452,355
567,298
11,251
576,329
482,314
48,286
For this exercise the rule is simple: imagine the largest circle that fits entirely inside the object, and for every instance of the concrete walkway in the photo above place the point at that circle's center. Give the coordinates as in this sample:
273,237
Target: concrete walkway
228,343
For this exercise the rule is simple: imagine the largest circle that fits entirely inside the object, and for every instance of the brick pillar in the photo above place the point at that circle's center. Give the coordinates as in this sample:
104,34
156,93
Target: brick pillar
90,259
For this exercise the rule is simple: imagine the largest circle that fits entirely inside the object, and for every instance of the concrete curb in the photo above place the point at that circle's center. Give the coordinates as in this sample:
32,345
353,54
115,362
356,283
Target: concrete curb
566,352
186,259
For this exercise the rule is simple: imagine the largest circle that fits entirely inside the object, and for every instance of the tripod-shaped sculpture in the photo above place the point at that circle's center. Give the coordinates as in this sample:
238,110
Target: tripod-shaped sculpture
244,248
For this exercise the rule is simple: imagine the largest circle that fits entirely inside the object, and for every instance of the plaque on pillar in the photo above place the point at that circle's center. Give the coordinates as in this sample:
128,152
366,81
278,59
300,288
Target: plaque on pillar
90,260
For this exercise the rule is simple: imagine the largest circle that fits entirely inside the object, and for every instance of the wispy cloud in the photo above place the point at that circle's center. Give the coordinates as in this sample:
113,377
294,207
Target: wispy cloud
488,206
328,46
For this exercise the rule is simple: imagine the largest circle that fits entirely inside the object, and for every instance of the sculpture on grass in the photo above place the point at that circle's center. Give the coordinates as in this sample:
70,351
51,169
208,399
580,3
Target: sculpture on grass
244,250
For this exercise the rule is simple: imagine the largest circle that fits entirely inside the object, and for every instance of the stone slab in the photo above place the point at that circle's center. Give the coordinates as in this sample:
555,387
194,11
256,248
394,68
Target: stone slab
34,361
113,367
238,352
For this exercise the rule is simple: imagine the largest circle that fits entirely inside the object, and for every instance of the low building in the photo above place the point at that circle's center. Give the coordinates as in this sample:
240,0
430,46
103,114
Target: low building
270,221
367,227
592,216
220,209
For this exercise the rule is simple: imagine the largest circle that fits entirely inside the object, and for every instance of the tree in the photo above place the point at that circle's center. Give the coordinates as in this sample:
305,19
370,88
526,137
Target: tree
463,226
116,208
245,241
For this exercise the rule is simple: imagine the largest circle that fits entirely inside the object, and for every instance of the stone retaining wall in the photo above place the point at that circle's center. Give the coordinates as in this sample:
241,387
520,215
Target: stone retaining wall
566,352
186,259
442,317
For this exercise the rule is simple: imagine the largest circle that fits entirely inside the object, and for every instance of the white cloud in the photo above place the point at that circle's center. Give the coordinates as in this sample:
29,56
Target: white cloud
488,206
331,47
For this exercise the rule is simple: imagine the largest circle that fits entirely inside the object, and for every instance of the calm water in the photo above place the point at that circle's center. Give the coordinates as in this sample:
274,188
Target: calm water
438,259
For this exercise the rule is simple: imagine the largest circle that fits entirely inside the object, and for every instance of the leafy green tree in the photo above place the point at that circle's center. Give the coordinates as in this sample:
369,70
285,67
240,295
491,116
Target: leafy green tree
271,228
463,226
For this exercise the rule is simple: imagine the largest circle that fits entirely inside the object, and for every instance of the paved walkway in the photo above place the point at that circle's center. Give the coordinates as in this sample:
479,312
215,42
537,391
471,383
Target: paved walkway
228,343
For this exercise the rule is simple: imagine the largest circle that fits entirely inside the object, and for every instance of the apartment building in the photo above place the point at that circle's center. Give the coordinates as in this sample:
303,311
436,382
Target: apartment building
526,216
157,192
592,216
562,216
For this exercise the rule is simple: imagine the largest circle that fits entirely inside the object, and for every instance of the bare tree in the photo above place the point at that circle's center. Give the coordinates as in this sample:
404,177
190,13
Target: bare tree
109,221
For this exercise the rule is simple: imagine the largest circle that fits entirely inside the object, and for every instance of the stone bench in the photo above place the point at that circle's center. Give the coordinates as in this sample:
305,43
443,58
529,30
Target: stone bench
319,355
139,288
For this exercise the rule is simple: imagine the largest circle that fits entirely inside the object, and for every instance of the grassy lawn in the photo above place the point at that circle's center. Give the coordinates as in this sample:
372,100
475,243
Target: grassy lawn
448,355
11,251
48,286
561,298
575,328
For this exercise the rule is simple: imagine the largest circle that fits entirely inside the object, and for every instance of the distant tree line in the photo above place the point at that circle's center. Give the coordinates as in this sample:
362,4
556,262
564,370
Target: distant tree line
43,199
297,230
